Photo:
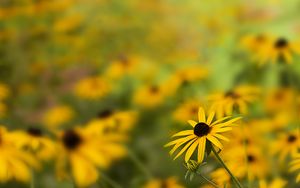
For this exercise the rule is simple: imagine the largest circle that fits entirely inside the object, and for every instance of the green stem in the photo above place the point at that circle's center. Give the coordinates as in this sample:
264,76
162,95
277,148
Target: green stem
139,164
110,181
32,183
235,180
209,181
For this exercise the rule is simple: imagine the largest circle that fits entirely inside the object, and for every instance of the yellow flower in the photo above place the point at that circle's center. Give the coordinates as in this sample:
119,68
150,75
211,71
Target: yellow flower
187,110
114,121
68,23
15,164
295,166
82,150
122,66
91,88
276,183
4,91
281,49
287,144
220,177
149,96
203,130
171,182
35,142
255,43
224,103
57,116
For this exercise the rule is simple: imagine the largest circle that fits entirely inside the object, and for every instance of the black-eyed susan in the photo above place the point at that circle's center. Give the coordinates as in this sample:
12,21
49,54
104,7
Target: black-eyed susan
15,164
149,96
171,182
221,177
57,116
205,130
35,142
83,150
187,110
4,91
225,102
114,121
295,166
287,144
255,43
275,183
281,49
92,88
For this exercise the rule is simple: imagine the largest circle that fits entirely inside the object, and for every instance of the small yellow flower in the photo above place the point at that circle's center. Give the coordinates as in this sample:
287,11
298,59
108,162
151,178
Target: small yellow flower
204,130
83,150
149,96
171,182
276,183
225,102
57,116
4,91
187,110
91,88
286,145
15,164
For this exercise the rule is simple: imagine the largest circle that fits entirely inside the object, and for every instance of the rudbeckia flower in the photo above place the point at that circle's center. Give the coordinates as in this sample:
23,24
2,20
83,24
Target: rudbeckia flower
187,110
205,130
4,91
57,116
239,97
295,166
286,145
149,96
171,182
91,88
15,164
276,183
83,150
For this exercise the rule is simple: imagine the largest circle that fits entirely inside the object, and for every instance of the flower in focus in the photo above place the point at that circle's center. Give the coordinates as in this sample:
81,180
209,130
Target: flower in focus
91,88
204,130
295,166
57,116
171,182
15,164
239,98
82,150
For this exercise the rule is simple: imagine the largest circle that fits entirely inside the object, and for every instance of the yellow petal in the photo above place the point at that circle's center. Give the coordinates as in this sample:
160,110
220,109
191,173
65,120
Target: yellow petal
214,141
201,149
192,123
181,143
221,137
220,120
220,130
201,115
185,148
191,150
184,133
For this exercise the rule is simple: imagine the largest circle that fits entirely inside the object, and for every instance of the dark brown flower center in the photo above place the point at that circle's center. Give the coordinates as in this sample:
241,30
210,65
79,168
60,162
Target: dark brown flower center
164,184
154,89
250,158
281,43
291,138
34,131
260,38
71,139
194,110
232,94
105,114
201,129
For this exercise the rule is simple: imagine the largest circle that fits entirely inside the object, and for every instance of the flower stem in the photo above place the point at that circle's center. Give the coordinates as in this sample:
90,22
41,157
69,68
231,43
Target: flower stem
32,183
110,181
206,179
139,164
235,180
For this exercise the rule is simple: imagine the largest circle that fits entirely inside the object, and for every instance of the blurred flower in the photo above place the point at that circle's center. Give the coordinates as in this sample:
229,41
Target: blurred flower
171,182
187,110
4,91
149,96
114,121
221,177
57,116
14,163
239,97
204,129
83,151
68,23
91,88
286,145
276,183
295,166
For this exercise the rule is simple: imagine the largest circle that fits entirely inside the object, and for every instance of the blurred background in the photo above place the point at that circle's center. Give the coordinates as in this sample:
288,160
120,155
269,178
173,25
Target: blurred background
151,64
